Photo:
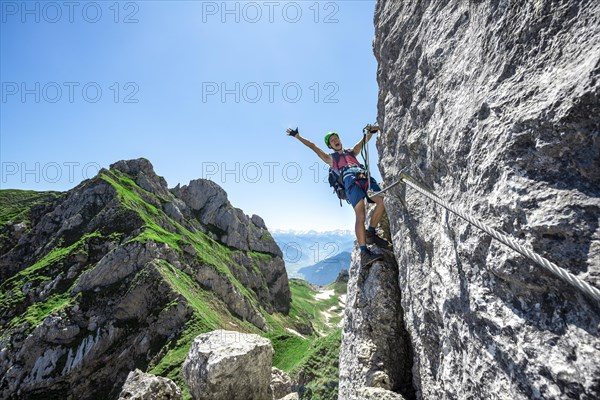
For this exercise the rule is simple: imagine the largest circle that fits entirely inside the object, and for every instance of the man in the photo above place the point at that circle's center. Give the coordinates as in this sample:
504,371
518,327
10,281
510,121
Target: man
355,184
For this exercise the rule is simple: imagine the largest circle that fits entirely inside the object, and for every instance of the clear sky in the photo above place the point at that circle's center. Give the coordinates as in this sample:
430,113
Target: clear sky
203,89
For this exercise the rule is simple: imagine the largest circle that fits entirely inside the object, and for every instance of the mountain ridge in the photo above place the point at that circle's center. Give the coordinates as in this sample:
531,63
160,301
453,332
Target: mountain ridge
121,272
326,271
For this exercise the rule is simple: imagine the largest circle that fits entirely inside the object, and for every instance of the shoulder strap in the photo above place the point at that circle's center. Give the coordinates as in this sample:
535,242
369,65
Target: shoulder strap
336,160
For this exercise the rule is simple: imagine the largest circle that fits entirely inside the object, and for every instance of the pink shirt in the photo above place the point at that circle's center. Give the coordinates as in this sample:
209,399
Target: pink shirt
346,159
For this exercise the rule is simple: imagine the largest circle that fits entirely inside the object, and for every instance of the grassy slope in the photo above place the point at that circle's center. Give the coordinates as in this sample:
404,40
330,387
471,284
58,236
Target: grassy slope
292,353
321,368
15,204
316,357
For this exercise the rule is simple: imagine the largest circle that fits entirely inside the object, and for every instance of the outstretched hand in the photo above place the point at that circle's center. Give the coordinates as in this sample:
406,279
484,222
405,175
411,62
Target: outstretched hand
292,132
372,128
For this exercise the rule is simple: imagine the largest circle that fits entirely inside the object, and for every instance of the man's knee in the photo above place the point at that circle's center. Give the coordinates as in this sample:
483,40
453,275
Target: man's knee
378,201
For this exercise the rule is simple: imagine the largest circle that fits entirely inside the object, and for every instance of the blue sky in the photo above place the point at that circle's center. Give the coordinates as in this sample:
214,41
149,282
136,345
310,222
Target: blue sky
202,89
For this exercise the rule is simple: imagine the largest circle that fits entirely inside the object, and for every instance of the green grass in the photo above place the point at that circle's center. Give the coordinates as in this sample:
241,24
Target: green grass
162,229
15,204
306,307
292,353
171,364
321,366
209,314
37,312
195,296
316,357
11,290
290,350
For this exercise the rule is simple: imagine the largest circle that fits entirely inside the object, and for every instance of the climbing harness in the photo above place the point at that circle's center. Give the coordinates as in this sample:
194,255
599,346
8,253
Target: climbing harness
562,273
338,173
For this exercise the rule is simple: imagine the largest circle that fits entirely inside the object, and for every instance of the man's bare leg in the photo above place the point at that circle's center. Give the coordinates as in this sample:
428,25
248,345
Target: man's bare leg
359,225
378,212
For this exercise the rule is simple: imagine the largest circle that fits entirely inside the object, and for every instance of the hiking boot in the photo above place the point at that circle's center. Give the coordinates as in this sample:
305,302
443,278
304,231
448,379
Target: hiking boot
372,238
367,257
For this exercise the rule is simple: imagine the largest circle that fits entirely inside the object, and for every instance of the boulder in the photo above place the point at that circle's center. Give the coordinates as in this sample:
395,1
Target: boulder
229,365
281,383
291,396
142,386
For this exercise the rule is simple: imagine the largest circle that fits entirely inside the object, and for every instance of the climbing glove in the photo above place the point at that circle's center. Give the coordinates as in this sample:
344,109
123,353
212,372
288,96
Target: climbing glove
372,128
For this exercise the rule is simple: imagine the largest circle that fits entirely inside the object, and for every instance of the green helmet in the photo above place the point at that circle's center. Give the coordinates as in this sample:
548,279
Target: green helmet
328,136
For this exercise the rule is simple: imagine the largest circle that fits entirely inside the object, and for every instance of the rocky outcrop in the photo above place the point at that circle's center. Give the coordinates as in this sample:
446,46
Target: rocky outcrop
281,383
228,365
494,105
142,386
375,351
106,277
207,202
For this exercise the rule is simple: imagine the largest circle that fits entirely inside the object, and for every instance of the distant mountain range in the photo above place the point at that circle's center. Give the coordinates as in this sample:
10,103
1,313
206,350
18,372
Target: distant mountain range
307,248
326,271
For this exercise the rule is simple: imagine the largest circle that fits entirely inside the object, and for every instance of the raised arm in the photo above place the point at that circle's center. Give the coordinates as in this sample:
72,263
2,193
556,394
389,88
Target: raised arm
322,155
358,146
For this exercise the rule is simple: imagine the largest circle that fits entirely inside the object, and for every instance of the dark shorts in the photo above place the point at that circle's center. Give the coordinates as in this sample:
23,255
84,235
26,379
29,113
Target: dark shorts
355,192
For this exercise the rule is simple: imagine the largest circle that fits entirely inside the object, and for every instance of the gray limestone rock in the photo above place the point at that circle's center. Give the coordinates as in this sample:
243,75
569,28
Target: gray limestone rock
117,265
143,173
494,105
237,302
258,221
228,365
375,350
369,393
281,383
291,396
172,210
142,386
208,203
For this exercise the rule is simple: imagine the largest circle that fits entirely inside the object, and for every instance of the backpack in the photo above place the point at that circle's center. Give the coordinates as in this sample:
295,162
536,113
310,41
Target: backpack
335,181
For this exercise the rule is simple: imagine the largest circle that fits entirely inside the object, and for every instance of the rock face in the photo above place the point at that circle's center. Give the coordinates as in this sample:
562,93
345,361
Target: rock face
281,383
141,386
228,365
495,106
106,277
375,351
207,202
